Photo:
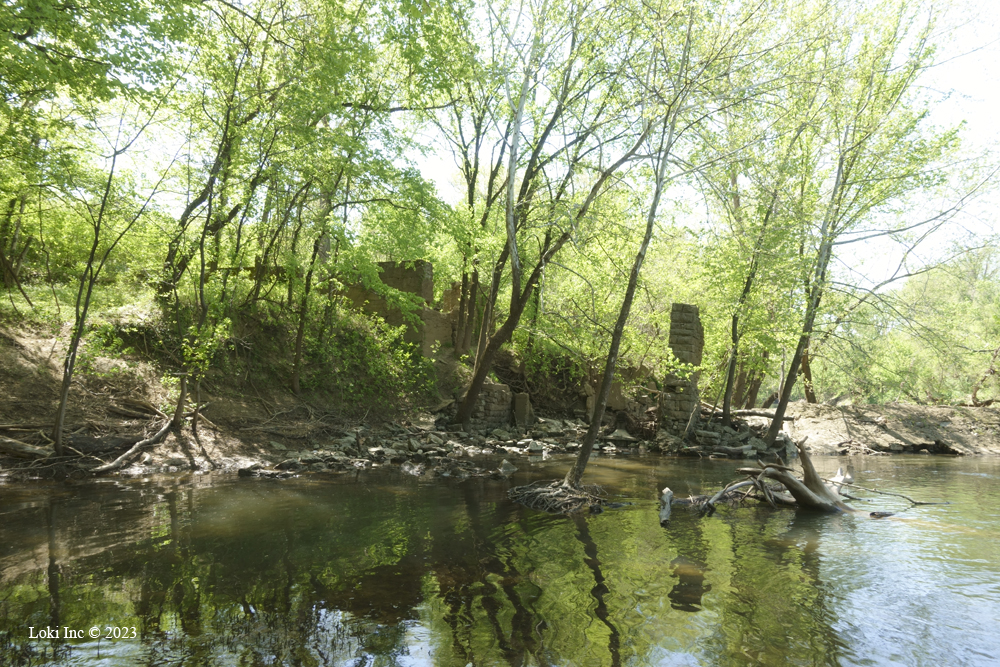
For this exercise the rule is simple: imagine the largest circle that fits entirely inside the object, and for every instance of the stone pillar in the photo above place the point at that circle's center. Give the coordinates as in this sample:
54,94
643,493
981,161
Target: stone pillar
687,339
524,416
493,407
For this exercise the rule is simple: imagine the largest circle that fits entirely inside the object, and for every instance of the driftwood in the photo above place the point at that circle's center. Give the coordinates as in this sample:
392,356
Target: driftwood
12,447
125,412
760,413
666,500
810,491
556,497
24,427
136,449
144,406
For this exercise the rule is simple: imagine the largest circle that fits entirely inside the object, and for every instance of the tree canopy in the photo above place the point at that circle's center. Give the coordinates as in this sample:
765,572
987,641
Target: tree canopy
234,169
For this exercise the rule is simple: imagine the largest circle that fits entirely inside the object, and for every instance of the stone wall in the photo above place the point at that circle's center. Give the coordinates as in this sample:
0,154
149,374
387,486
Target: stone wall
417,278
493,407
414,277
687,339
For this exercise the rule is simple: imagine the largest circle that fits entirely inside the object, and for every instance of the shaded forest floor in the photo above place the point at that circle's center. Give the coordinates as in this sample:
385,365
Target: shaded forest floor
114,401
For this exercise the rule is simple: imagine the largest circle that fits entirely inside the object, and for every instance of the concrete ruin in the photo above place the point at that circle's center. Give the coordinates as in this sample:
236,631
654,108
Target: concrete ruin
493,409
679,397
498,406
417,277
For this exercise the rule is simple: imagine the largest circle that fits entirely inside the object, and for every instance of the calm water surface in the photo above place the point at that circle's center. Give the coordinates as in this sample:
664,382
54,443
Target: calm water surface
384,569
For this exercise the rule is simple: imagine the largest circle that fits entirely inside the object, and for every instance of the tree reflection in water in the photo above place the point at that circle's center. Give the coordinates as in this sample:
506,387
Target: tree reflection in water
395,571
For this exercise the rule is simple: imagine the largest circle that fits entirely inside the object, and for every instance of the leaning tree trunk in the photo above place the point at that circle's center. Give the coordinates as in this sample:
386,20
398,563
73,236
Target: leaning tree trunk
575,473
807,378
812,308
303,318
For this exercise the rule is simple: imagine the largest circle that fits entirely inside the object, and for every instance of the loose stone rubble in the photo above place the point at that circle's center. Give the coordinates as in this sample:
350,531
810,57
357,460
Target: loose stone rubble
443,450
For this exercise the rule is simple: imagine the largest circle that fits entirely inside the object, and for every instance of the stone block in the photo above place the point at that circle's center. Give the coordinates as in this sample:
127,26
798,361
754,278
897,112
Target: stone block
415,277
493,407
524,416
709,438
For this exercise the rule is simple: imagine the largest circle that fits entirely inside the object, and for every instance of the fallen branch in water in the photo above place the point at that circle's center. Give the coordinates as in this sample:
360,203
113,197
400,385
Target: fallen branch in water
809,492
898,495
136,449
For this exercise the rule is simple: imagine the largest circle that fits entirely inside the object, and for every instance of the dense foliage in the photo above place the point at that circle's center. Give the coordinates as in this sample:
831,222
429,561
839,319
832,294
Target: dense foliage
220,174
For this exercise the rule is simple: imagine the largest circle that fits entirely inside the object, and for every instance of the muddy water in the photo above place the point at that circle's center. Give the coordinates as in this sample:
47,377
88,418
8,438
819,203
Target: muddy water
383,569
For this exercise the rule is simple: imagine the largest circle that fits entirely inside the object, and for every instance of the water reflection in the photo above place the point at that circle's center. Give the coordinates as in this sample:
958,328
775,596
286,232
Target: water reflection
387,570
686,593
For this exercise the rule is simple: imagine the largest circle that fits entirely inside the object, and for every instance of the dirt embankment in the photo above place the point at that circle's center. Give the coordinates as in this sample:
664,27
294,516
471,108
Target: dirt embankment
896,428
115,402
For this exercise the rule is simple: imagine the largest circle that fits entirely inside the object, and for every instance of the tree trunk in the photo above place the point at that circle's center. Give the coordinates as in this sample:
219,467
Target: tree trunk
575,474
462,301
756,379
727,400
484,363
471,315
807,380
303,317
739,390
816,295
979,384
786,391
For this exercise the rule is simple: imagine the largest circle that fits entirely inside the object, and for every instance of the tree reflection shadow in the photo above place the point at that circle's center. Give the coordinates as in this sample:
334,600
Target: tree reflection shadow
686,593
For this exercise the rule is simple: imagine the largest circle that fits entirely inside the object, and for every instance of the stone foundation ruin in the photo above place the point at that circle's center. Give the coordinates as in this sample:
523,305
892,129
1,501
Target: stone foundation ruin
679,398
498,406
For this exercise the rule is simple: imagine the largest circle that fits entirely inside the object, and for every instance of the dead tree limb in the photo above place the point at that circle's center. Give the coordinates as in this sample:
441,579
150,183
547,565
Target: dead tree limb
136,449
898,495
12,447
811,491
709,506
760,413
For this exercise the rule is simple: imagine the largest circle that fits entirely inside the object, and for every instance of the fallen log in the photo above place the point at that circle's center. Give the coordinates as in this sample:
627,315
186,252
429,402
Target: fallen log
143,405
136,449
22,450
125,412
759,413
811,491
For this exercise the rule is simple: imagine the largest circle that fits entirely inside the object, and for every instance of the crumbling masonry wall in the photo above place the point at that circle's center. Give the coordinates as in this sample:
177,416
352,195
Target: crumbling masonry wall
492,409
687,340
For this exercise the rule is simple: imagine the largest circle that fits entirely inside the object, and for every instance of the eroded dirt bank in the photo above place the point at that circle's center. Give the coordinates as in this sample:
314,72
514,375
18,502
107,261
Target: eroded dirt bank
897,428
114,404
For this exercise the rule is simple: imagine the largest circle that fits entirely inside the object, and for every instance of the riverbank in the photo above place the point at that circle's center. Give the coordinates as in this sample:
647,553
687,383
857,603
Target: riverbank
266,430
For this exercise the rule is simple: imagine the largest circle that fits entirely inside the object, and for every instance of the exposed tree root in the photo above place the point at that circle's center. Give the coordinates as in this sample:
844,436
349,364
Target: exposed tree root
809,492
557,498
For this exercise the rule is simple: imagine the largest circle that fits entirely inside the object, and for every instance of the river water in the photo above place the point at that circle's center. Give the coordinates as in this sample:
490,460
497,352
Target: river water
379,568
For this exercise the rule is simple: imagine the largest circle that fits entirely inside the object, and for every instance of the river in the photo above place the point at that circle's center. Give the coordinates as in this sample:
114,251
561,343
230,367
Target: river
380,568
